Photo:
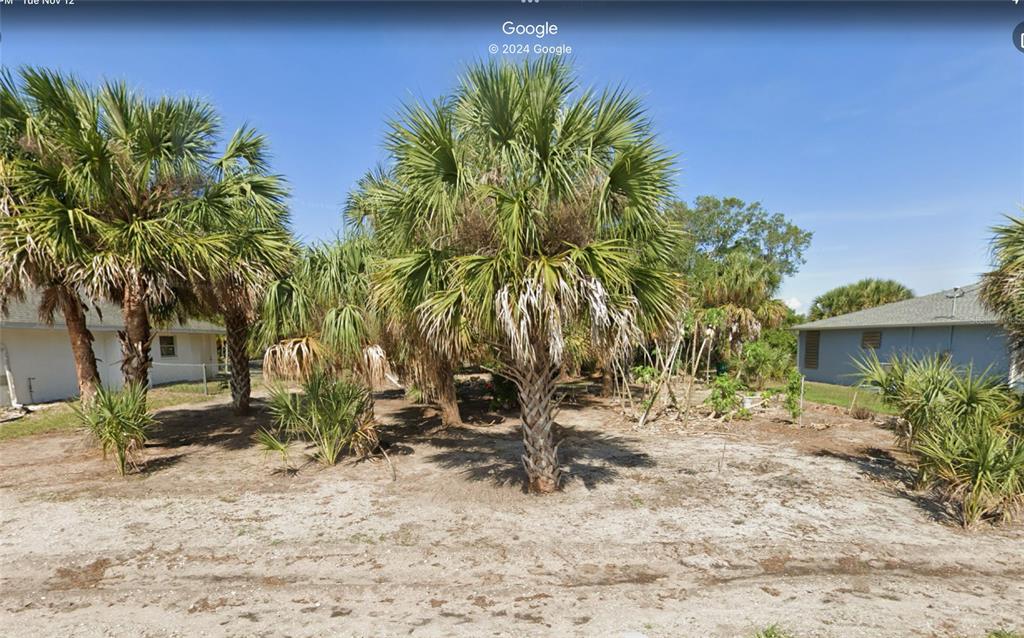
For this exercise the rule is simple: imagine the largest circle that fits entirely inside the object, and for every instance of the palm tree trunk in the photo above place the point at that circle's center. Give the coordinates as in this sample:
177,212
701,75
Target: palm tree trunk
237,326
607,380
137,336
81,346
441,379
536,400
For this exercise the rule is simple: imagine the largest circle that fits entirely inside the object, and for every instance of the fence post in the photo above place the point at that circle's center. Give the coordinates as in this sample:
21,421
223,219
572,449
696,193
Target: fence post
206,390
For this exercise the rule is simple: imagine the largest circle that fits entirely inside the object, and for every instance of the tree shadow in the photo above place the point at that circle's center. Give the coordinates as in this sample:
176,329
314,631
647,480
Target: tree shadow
496,455
150,466
210,425
883,466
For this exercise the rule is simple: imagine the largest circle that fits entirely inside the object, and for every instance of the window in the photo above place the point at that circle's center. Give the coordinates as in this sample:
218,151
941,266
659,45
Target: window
167,347
812,339
871,340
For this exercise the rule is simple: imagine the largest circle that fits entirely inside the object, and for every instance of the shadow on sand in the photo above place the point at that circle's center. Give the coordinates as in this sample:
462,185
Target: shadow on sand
485,453
883,466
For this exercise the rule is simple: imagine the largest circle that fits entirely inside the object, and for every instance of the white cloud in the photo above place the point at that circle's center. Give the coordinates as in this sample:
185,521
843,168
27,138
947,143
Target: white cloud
794,303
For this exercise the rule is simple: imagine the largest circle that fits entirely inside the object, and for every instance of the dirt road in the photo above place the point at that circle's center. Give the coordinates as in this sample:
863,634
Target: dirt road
669,533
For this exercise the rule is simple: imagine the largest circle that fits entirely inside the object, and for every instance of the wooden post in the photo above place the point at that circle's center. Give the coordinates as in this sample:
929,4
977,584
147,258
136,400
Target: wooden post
802,380
206,389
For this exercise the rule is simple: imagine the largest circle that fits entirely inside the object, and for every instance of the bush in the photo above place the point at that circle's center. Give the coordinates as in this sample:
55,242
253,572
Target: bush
963,429
724,398
770,357
330,412
504,393
118,421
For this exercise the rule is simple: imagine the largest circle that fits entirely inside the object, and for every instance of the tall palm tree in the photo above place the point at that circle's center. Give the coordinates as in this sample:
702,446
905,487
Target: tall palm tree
245,203
1002,289
532,206
40,211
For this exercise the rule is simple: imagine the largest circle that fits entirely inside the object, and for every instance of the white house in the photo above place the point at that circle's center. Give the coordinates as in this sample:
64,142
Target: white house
36,358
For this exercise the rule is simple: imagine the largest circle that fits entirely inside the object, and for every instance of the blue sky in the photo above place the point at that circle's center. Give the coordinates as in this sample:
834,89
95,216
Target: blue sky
896,134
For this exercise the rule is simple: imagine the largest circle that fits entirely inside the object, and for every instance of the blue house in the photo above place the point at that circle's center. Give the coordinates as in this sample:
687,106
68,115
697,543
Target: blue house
951,322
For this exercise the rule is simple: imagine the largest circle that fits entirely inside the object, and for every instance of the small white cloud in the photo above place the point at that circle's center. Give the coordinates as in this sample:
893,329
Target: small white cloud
794,303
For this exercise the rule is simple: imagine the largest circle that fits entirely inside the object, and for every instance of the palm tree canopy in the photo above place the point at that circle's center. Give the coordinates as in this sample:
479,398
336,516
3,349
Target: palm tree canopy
1002,289
864,294
521,204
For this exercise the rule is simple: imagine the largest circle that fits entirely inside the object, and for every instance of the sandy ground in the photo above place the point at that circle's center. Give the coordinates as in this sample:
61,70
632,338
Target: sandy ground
668,532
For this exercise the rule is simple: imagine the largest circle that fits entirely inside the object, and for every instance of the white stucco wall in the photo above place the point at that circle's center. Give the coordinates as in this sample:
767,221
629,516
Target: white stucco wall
42,357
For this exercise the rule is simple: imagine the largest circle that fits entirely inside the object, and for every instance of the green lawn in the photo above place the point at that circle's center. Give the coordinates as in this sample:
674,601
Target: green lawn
843,395
59,416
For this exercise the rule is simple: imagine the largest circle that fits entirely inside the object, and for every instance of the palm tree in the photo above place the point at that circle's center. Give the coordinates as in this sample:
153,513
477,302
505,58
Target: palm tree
864,294
1002,289
39,247
526,208
318,316
244,203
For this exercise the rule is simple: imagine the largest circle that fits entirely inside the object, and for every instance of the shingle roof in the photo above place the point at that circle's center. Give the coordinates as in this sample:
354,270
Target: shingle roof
24,314
937,309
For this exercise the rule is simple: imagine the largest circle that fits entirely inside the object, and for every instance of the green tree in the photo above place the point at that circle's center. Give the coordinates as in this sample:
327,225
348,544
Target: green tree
244,203
40,208
528,207
130,173
716,227
864,294
1002,288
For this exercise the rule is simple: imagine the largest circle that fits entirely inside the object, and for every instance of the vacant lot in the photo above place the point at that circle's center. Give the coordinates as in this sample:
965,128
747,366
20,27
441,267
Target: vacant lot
698,531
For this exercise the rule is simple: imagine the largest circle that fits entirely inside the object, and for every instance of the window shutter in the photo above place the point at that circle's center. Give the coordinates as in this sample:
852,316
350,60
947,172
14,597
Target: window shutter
812,340
871,340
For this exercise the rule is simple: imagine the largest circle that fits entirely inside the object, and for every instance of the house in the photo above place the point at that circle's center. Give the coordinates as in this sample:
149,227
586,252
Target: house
952,322
36,360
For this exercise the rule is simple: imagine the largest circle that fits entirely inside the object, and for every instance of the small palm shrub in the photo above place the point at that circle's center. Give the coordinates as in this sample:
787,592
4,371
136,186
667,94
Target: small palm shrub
979,464
332,413
964,430
724,398
118,422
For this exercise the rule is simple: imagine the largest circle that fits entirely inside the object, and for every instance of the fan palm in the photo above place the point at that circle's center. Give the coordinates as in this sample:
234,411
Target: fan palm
245,204
39,247
864,294
319,317
1002,289
525,207
130,173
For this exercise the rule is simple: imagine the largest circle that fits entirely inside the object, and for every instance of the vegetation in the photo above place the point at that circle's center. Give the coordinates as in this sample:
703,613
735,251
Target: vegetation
517,209
864,294
57,417
794,393
1002,289
773,631
118,421
110,195
332,413
964,429
725,399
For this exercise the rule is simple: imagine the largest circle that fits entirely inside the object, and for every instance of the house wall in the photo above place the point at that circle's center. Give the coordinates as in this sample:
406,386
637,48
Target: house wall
980,346
44,356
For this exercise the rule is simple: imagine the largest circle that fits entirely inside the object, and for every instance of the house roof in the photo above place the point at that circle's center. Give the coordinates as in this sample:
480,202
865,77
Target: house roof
25,314
937,309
